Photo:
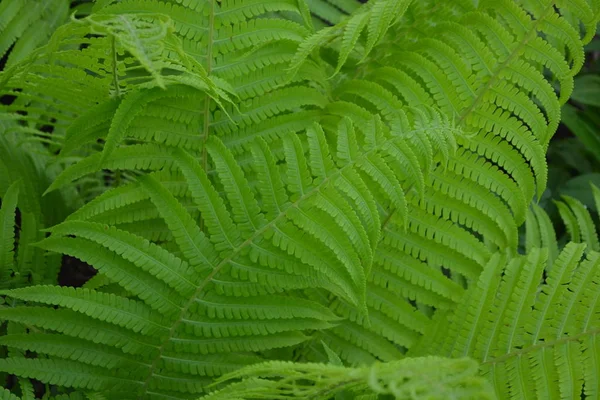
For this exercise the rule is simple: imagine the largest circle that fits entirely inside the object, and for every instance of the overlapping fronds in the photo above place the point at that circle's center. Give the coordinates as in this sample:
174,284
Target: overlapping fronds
488,67
532,321
60,82
271,208
234,283
578,223
28,24
461,206
534,335
199,53
511,115
371,21
24,176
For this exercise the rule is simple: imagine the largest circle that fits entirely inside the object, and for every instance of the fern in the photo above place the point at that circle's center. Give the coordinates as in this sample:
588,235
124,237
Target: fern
287,191
533,341
485,216
249,255
530,320
28,24
242,54
402,379
22,182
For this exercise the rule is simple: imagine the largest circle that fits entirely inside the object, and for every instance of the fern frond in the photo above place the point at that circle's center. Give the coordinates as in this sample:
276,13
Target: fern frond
245,53
579,223
240,42
472,67
540,232
238,251
527,330
139,157
209,322
122,312
374,19
66,373
142,36
278,212
26,25
400,379
577,219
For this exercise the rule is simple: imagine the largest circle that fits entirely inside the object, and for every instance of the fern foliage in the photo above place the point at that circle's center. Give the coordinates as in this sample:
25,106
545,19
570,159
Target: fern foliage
503,103
28,24
531,320
255,187
228,291
534,337
23,179
244,52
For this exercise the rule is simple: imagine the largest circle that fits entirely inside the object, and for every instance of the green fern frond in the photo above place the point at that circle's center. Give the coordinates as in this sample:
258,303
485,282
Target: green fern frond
244,54
225,234
528,332
257,215
26,25
140,157
579,223
400,379
252,243
540,232
373,19
143,36
240,42
577,219
131,105
469,71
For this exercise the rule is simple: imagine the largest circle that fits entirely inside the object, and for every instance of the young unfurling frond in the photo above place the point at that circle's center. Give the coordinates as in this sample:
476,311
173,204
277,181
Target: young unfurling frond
401,379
